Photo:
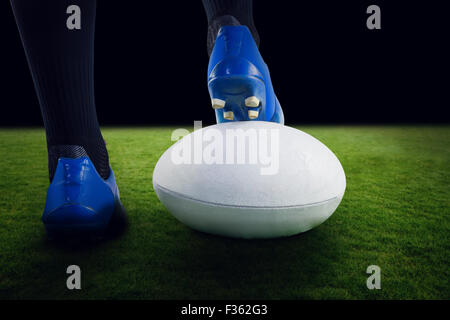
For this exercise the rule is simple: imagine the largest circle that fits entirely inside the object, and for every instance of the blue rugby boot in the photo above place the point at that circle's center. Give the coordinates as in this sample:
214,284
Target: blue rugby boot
80,203
239,81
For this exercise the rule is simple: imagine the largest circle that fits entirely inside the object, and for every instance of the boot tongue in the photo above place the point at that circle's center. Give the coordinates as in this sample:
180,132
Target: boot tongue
214,27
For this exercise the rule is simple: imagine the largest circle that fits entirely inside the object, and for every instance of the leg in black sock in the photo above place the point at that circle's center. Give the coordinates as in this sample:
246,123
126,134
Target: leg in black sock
228,12
62,66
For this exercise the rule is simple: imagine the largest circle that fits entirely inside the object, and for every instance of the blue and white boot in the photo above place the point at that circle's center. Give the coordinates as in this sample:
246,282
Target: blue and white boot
80,203
239,80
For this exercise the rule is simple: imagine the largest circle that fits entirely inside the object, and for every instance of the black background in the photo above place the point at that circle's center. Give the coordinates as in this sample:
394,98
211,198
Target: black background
326,66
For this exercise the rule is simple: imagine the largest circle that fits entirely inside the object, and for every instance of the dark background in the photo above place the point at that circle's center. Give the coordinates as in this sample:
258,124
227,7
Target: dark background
326,66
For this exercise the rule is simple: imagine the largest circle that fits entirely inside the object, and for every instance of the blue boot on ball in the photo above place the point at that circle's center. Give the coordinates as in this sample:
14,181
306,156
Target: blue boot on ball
239,80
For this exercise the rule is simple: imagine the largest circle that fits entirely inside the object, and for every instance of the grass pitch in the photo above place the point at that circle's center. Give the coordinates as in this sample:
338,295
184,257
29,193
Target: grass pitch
395,214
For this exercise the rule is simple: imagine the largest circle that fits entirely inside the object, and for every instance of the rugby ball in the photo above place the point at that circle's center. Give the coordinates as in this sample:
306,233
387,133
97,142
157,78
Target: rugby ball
249,179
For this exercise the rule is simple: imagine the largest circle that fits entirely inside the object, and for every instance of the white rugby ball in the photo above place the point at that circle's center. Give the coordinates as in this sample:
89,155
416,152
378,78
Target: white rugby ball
250,179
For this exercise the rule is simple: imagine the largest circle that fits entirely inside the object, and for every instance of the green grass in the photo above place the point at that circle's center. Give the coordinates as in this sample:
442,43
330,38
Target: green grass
395,214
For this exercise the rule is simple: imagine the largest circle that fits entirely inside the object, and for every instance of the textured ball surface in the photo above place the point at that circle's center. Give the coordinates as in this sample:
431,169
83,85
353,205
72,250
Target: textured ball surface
249,180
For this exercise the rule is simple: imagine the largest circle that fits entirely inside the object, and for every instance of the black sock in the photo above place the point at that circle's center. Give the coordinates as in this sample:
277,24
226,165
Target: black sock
228,12
62,66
